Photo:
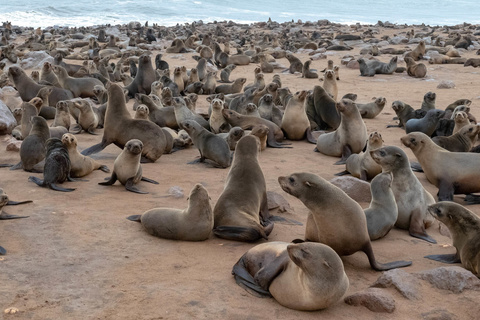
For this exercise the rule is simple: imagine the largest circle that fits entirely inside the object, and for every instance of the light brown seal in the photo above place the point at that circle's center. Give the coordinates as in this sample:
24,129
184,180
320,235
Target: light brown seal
142,83
80,165
411,197
195,223
330,84
350,136
451,172
372,109
303,276
383,211
464,226
87,118
415,70
217,122
127,168
295,122
241,212
62,115
80,87
335,219
118,119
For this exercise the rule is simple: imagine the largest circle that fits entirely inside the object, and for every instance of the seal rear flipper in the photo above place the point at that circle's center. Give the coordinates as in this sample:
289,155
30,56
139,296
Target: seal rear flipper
104,168
144,159
95,148
53,186
198,160
246,234
383,266
110,181
135,217
417,227
14,203
74,179
6,216
17,166
91,130
6,165
130,186
246,281
310,137
346,152
472,199
394,126
75,128
2,251
287,221
416,167
446,258
38,181
342,173
149,180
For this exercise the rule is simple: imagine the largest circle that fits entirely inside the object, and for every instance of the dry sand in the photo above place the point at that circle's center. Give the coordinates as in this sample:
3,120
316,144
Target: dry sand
77,257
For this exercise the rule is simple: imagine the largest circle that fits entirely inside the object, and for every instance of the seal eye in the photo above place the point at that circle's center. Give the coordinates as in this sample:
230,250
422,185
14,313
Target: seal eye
382,153
412,140
291,179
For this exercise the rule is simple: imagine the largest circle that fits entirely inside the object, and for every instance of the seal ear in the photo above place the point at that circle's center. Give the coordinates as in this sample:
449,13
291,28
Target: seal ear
308,184
374,98
398,154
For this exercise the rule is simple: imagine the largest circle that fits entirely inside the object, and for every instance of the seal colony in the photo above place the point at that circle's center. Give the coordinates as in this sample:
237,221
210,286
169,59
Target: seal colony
124,68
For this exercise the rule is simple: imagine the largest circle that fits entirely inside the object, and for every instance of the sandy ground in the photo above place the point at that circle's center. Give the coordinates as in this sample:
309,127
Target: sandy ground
77,257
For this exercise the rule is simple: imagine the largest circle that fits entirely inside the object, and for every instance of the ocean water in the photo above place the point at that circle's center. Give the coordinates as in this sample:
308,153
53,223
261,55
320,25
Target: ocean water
40,13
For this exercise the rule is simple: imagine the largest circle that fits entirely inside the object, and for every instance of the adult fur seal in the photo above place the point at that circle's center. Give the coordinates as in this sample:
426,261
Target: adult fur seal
350,136
118,119
427,124
362,165
241,212
195,223
464,226
462,141
80,164
209,145
372,109
295,122
321,110
303,276
127,168
57,167
368,68
144,77
451,172
428,102
335,219
411,197
80,87
383,211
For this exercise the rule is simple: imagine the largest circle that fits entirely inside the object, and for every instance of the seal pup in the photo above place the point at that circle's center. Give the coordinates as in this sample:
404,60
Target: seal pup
62,115
464,226
416,70
232,137
428,102
330,84
210,146
241,213
127,168
411,197
362,165
404,113
372,109
307,72
57,167
118,119
383,211
87,118
350,136
80,164
302,276
335,219
80,87
462,141
217,122
451,172
195,223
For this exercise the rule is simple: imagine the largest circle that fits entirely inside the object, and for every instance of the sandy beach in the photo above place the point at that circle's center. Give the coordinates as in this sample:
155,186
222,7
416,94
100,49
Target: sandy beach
78,257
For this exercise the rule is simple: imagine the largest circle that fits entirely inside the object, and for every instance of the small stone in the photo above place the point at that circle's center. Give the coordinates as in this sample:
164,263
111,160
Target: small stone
176,192
443,229
446,84
438,315
276,200
7,120
10,310
353,64
14,145
356,189
454,279
374,299
404,282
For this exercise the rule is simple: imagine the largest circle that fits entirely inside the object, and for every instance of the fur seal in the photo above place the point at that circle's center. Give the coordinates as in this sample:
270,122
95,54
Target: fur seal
295,122
308,73
350,136
427,124
464,226
127,168
209,145
195,223
429,101
322,111
335,219
57,167
261,132
141,112
330,84
405,112
415,70
461,120
142,83
241,212
269,111
29,109
411,197
80,87
303,276
217,122
235,87
383,211
233,136
368,68
5,201
87,118
275,134
372,109
295,64
182,113
462,141
451,172
80,165
225,73
62,115
162,116
117,119
417,53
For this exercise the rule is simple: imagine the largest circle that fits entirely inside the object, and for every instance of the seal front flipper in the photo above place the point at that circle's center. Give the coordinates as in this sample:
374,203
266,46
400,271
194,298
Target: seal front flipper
472,199
417,167
14,203
111,181
38,181
246,281
346,152
95,148
417,227
383,266
75,128
270,271
3,251
130,186
235,233
445,191
149,180
17,166
135,217
6,216
310,137
342,173
446,258
104,168
53,186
